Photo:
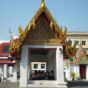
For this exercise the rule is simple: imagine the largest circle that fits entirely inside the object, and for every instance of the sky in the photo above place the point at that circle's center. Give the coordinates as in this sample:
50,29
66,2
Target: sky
14,13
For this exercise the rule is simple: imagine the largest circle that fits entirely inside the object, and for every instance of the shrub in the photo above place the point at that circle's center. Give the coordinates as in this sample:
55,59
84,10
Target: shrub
73,76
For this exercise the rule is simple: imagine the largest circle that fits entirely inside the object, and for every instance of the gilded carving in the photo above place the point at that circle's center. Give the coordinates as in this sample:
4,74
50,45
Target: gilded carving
42,31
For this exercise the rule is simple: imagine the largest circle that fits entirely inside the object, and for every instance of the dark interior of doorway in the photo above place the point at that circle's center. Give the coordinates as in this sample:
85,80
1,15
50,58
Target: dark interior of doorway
83,71
40,74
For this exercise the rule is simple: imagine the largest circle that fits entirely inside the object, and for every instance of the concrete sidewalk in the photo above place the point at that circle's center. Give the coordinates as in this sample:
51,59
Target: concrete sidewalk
76,84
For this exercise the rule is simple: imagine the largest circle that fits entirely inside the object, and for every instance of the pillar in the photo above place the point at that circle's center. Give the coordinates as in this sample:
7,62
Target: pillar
5,72
29,68
76,70
10,70
24,67
2,71
60,67
29,65
87,72
68,71
15,73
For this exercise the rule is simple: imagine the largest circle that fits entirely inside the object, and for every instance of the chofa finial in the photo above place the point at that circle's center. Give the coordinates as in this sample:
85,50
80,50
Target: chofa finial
42,3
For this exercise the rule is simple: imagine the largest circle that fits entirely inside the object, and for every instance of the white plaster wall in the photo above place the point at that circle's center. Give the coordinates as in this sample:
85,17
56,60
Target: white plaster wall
87,72
15,73
68,71
60,67
77,38
5,71
76,70
24,67
10,69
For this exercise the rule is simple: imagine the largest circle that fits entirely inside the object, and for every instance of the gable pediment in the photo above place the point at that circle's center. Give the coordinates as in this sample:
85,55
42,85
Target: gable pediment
42,33
41,30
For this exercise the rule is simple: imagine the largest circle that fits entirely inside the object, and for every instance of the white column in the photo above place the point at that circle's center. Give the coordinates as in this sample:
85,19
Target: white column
5,72
29,68
10,70
2,72
86,72
60,67
68,71
76,70
15,73
24,67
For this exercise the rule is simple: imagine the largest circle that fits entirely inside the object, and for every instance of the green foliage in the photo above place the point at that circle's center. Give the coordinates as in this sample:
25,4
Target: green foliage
65,79
73,76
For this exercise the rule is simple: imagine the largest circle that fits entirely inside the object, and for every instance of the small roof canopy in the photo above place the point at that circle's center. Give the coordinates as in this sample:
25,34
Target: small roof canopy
41,30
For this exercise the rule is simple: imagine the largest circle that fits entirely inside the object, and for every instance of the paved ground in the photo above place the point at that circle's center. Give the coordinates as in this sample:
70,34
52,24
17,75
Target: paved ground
78,84
9,85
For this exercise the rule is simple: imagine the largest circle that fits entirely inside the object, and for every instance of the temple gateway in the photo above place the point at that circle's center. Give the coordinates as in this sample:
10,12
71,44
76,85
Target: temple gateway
41,42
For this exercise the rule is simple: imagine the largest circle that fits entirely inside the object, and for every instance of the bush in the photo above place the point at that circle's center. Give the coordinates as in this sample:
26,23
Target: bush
73,76
65,79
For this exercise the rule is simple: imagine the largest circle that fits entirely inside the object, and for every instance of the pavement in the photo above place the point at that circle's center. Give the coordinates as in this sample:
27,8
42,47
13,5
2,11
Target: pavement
78,84
75,84
9,85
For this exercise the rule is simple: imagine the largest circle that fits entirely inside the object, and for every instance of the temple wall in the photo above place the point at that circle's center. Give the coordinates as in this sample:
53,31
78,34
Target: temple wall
87,72
77,38
76,70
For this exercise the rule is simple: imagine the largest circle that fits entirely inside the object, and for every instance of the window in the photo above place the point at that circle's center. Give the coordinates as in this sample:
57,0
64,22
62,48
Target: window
83,42
38,66
35,66
77,42
42,66
5,48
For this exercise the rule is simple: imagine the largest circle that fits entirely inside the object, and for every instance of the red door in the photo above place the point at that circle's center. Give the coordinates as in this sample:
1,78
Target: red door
82,71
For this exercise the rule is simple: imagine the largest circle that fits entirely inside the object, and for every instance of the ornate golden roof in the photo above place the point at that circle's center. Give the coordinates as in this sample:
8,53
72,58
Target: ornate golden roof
69,51
15,48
